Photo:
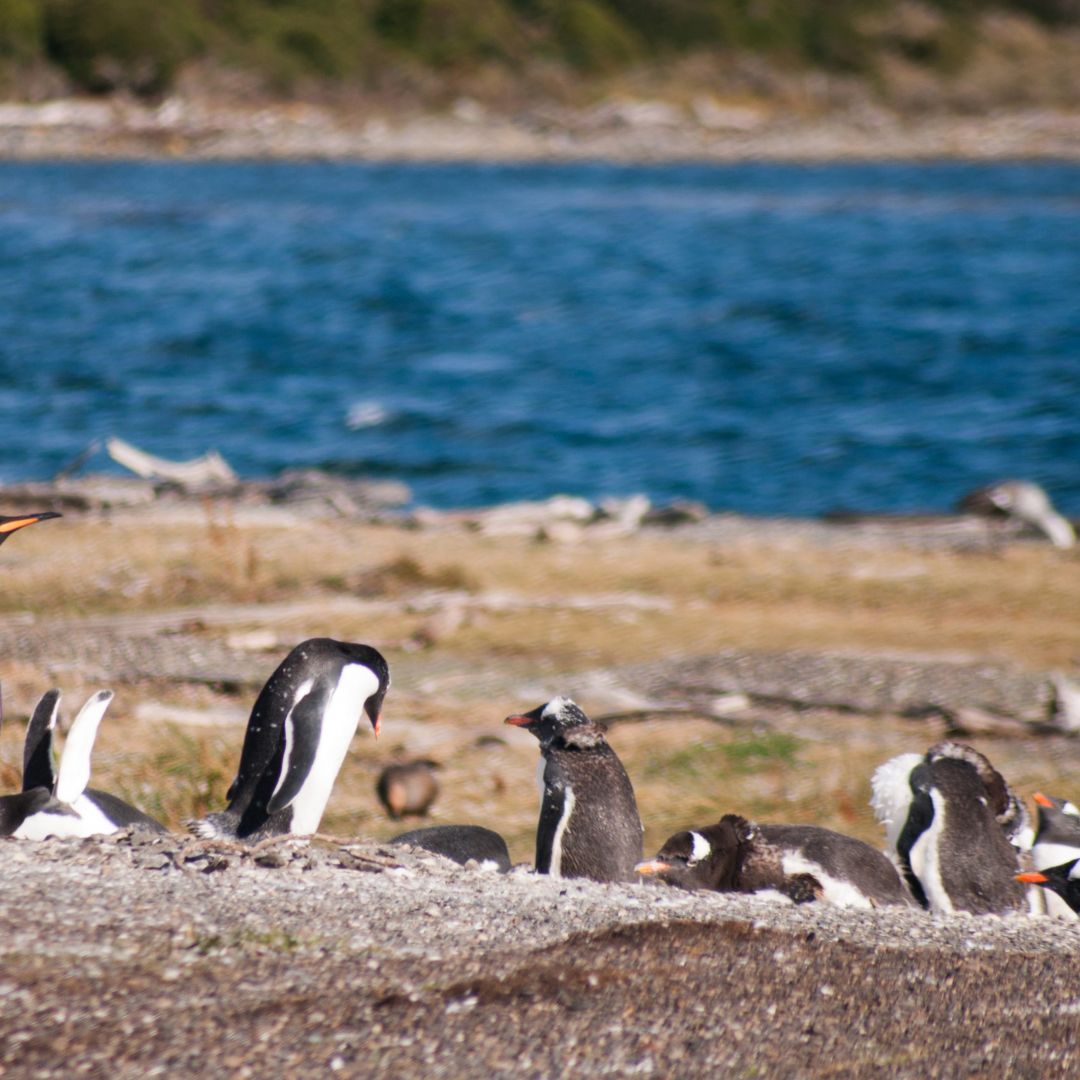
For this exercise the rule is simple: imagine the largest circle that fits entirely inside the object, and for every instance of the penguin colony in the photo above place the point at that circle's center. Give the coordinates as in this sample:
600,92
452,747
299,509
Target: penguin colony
958,837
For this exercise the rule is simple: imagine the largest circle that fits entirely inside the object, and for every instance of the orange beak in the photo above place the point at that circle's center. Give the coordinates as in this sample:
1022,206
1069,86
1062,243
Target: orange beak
20,523
376,727
1042,800
518,721
652,866
1033,877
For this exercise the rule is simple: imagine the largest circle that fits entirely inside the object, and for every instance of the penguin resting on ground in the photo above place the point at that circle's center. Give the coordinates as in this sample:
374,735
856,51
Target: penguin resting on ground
1057,841
956,828
408,788
461,843
8,525
801,862
297,736
62,804
589,825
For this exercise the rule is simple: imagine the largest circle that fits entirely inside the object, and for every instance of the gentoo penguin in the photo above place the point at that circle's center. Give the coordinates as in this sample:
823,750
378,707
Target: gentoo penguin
408,788
297,737
956,828
801,862
1026,502
589,824
1057,841
461,843
8,525
63,805
1060,881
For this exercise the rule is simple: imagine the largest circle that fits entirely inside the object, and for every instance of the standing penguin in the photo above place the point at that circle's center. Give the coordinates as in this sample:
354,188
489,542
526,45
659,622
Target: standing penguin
297,737
62,804
8,525
956,828
1057,842
589,824
801,862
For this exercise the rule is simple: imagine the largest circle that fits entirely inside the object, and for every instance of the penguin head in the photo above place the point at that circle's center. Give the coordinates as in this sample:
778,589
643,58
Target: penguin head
366,656
8,525
1063,880
1056,813
708,858
547,722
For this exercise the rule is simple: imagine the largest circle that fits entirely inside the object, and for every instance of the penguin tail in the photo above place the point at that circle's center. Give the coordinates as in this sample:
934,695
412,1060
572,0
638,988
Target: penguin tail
213,827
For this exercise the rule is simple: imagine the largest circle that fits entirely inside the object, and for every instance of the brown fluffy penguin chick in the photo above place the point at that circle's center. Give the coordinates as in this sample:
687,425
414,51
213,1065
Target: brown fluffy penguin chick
408,789
802,862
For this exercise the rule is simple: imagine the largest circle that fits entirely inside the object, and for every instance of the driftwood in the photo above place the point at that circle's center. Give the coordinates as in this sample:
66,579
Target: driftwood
203,471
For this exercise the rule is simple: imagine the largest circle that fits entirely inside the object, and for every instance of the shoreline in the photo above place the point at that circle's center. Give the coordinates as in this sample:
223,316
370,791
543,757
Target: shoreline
620,132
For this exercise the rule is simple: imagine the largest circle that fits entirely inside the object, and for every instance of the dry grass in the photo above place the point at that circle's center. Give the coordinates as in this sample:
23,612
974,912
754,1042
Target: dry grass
679,598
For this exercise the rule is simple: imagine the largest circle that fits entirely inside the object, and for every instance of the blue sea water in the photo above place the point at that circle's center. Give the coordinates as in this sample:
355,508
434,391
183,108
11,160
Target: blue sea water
765,338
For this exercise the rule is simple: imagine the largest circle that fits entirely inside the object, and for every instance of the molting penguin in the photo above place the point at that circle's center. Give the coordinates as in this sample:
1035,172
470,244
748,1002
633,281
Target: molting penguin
461,843
62,805
1057,841
297,736
589,824
801,862
8,525
956,828
1060,881
408,788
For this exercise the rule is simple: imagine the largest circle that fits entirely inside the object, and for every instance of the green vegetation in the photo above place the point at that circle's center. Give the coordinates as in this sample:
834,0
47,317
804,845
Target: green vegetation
142,47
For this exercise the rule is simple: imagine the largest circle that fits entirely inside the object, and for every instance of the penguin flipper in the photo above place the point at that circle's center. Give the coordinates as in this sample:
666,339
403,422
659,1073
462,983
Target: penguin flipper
301,734
38,770
74,772
552,807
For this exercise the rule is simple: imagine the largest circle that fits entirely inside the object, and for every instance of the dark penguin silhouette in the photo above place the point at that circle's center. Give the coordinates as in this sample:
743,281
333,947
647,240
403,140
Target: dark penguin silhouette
1057,841
408,788
62,804
956,828
801,862
297,736
1062,881
460,843
589,824
8,525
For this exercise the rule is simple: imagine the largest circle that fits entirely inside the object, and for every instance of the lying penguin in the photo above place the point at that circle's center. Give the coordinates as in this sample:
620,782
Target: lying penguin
801,862
62,804
297,736
408,788
8,525
956,828
1057,841
1059,881
462,843
589,825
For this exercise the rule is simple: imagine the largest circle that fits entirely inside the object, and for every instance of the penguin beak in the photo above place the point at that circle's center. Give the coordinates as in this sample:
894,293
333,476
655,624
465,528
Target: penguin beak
376,724
1042,800
21,523
1033,877
518,721
652,866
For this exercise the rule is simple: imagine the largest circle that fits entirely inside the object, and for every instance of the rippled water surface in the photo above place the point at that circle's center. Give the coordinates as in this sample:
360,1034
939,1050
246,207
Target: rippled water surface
767,338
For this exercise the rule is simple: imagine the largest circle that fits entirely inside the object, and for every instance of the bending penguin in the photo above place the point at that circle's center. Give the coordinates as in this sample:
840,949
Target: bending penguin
8,525
62,804
461,843
1057,842
589,825
956,828
801,862
297,736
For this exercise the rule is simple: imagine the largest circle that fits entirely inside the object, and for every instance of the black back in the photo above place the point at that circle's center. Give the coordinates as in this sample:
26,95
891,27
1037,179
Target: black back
460,843
15,809
123,814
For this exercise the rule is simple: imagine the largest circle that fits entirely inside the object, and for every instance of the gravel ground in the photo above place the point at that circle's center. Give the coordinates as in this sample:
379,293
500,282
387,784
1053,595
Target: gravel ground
123,957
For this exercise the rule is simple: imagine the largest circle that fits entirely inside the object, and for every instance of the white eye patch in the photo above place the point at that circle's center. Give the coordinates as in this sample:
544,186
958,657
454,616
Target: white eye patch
702,849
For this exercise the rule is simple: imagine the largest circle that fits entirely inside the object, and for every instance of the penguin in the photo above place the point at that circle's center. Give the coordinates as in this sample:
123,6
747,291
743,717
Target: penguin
801,862
956,828
297,736
461,843
1025,502
589,825
1060,881
1057,841
408,788
63,805
8,525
